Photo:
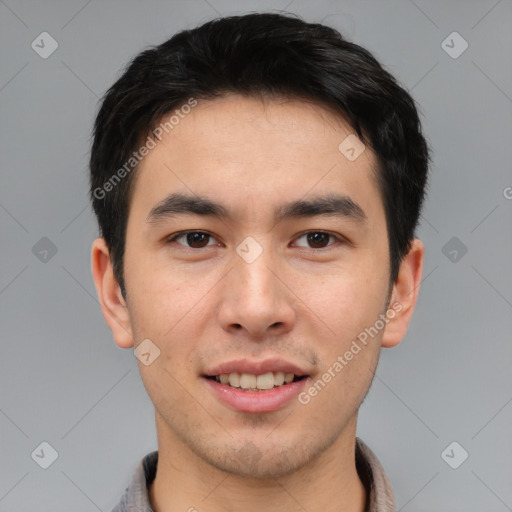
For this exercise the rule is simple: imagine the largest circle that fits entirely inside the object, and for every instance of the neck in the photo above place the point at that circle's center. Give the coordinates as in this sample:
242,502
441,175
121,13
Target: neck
328,483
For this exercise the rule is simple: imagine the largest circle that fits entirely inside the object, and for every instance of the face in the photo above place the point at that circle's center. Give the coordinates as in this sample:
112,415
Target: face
254,292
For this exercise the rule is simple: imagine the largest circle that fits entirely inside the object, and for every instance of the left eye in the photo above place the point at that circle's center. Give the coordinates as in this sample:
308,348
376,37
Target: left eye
317,239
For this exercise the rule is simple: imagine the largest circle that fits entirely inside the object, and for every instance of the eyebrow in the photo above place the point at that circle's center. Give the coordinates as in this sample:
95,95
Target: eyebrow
331,205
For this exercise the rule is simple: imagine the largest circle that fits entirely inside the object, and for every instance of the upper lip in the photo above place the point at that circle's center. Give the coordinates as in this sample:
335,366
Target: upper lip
256,367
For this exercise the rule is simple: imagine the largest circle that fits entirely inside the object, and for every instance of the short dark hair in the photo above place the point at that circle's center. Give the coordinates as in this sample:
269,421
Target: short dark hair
266,54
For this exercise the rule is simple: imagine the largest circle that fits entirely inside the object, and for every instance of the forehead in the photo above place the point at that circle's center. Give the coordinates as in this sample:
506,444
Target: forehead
251,150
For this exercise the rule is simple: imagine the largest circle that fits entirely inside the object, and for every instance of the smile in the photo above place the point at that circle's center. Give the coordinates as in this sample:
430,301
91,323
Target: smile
252,399
250,382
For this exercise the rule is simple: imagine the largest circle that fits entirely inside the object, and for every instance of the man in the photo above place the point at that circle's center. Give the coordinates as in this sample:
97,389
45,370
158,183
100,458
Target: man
257,182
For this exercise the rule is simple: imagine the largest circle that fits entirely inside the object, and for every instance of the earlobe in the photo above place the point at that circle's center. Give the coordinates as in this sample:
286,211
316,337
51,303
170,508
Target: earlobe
111,300
404,295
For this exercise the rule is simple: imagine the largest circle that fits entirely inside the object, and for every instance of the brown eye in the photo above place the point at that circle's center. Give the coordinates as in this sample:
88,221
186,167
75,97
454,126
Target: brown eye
193,239
316,239
197,240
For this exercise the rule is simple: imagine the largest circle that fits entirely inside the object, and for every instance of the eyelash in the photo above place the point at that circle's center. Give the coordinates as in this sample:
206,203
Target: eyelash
174,237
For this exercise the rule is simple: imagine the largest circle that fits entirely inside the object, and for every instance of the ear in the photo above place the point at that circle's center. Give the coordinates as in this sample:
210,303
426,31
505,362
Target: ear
404,295
111,300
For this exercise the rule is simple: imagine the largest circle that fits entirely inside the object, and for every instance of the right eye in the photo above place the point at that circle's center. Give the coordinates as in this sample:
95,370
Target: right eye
195,239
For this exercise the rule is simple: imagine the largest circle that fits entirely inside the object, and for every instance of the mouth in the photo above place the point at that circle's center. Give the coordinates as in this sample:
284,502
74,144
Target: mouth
256,386
256,383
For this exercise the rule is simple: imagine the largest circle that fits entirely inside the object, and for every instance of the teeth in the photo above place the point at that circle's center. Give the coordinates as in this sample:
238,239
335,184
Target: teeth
251,382
247,381
278,378
234,380
265,381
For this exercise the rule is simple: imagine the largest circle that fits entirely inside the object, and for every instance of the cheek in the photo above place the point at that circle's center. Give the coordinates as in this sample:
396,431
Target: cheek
172,372
344,377
159,300
347,303
169,311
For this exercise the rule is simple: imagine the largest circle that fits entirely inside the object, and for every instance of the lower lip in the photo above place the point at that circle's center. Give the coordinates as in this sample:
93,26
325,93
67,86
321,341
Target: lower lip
256,401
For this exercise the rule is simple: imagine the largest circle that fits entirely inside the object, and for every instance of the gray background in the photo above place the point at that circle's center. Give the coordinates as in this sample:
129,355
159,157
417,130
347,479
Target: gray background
65,382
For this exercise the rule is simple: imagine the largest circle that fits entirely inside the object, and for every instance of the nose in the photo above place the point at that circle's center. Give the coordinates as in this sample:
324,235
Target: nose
256,298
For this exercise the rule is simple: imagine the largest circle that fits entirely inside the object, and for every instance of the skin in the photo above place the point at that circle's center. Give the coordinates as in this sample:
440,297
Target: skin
203,306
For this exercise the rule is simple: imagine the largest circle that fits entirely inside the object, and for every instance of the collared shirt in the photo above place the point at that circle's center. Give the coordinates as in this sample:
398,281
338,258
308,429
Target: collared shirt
378,488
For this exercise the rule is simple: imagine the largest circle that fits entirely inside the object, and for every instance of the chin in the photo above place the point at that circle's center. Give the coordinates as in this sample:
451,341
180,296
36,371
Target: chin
261,467
250,460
